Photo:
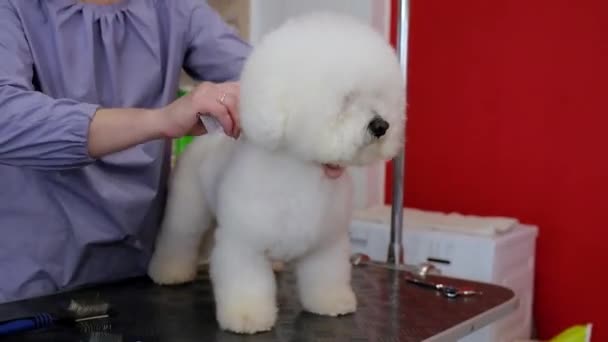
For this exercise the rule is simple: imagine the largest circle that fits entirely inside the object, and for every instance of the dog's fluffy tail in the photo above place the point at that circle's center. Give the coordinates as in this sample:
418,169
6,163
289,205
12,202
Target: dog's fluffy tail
186,205
189,212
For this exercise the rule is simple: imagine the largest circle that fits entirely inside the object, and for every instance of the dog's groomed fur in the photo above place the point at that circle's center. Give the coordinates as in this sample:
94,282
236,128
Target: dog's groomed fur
320,93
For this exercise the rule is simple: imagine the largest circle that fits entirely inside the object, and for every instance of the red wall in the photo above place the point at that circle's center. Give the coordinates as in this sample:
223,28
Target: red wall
508,115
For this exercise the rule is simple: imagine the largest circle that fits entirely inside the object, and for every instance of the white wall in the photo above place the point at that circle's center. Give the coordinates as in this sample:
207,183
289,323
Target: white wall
268,14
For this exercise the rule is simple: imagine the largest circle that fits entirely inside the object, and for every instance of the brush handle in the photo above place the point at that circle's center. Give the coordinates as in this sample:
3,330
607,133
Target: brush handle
211,124
26,324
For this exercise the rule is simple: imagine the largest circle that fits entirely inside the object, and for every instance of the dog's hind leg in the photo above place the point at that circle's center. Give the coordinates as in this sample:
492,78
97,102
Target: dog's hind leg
187,218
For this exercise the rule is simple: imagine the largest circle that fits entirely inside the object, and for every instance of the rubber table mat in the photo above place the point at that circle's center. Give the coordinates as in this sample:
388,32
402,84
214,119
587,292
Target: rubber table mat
390,309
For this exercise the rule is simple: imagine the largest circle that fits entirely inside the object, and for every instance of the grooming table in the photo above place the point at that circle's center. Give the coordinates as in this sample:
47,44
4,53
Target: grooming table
390,309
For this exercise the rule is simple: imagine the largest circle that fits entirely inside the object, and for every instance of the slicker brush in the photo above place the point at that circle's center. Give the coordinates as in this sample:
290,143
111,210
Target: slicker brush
76,314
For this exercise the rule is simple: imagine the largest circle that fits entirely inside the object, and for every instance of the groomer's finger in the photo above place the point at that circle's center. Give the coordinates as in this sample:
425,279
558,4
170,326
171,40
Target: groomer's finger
232,89
231,104
214,100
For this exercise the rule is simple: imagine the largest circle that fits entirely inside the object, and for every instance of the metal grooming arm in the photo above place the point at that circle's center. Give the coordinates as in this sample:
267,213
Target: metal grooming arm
395,250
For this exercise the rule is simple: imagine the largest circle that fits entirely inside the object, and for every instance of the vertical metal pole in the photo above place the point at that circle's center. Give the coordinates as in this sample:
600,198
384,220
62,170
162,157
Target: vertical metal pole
395,252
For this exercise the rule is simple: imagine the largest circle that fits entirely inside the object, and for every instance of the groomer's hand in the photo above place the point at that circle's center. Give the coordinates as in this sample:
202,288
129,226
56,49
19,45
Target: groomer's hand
219,100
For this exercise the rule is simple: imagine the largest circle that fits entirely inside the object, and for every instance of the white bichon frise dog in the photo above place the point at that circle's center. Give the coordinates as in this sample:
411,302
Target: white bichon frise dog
320,93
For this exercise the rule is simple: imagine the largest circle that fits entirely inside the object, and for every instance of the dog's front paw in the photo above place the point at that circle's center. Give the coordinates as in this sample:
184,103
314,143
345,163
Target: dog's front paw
247,315
171,271
330,302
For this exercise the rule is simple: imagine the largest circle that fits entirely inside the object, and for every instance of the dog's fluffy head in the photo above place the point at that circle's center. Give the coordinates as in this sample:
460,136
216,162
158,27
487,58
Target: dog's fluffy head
325,88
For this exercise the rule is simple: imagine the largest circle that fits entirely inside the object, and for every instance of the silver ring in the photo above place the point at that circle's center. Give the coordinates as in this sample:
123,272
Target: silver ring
222,99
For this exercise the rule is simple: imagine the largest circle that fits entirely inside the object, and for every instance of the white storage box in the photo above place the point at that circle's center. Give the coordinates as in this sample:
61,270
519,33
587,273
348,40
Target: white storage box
506,259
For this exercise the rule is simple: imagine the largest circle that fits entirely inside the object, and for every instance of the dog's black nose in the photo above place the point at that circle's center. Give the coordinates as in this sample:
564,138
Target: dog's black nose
378,127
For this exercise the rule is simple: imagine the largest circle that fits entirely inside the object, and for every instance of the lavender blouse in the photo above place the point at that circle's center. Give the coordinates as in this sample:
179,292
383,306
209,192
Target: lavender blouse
66,219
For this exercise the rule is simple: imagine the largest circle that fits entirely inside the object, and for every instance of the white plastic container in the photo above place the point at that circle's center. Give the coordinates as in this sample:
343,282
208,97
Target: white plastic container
507,260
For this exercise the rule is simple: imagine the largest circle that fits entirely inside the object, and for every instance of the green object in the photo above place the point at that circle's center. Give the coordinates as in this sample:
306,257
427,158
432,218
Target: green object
181,92
179,145
577,333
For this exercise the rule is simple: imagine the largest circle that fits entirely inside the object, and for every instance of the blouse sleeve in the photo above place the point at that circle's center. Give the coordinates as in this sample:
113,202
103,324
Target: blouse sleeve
216,52
36,130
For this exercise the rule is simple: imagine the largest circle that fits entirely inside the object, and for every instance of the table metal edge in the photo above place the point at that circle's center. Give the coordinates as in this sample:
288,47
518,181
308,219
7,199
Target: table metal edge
476,323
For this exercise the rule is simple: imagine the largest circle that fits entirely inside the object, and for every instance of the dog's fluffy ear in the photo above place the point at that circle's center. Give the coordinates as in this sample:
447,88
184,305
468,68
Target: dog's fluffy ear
263,113
262,119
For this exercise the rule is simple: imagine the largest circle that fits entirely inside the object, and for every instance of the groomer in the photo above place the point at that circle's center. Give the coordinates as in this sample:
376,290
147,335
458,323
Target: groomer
87,111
